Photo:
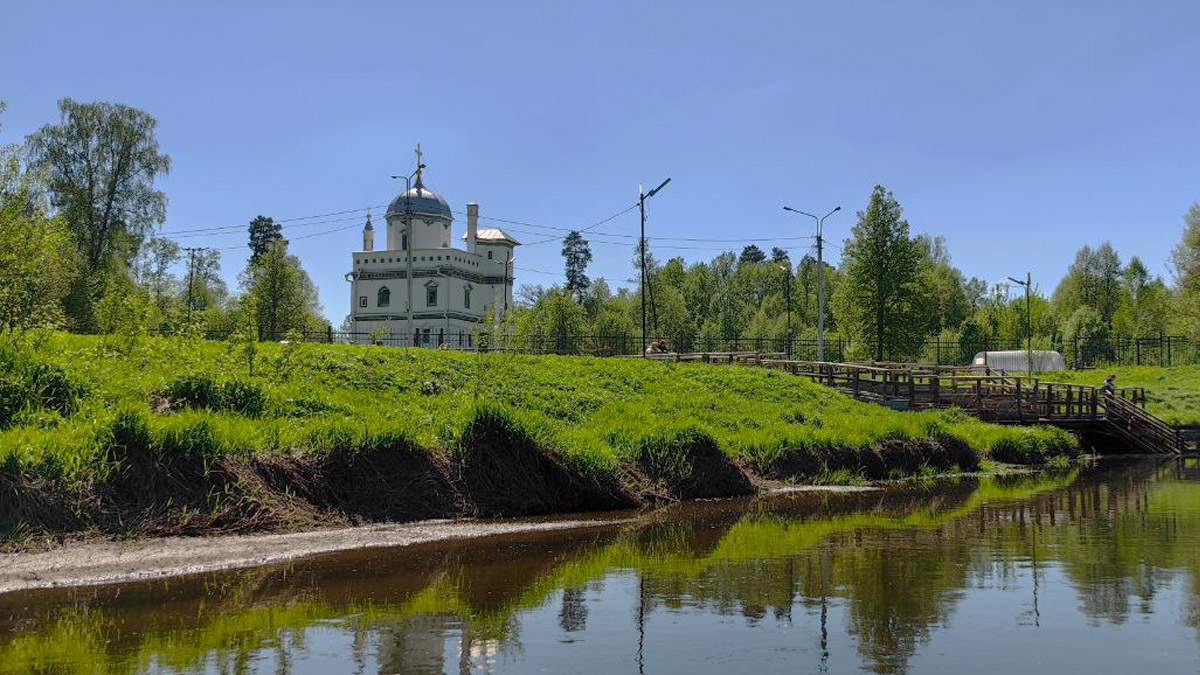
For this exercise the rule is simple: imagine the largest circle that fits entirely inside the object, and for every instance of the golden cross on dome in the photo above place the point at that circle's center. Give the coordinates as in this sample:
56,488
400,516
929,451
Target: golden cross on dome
419,165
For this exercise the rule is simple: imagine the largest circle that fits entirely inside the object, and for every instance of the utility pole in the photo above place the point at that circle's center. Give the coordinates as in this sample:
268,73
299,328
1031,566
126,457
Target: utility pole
1028,284
820,277
642,197
191,251
408,242
787,293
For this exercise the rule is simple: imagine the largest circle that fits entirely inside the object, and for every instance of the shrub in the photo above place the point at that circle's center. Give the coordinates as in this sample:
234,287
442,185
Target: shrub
26,384
244,398
201,391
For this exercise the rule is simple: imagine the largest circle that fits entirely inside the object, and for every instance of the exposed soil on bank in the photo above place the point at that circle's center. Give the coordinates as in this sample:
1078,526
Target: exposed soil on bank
494,473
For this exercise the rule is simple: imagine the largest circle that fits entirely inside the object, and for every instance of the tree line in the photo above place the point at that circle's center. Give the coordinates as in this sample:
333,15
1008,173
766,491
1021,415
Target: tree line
80,217
892,295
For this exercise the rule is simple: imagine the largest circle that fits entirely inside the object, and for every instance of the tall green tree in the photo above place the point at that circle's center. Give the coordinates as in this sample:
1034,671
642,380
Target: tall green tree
944,283
204,287
555,322
880,301
1185,262
101,161
576,254
281,294
153,271
1093,280
751,254
263,232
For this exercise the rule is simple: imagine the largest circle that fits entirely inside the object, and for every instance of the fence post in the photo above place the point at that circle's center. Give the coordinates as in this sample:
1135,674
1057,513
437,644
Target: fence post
1020,407
935,386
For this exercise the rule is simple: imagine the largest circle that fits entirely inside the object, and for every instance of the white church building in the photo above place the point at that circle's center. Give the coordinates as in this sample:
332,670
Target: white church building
418,288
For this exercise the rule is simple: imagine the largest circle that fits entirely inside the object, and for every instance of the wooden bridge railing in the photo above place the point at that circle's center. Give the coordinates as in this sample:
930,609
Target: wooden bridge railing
989,395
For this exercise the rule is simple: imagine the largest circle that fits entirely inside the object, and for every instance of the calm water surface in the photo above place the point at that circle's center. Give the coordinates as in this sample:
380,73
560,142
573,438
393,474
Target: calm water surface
1090,571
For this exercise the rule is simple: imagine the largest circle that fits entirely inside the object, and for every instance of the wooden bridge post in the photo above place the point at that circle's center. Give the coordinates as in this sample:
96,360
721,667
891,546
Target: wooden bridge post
979,397
935,390
1094,403
912,389
1020,407
856,384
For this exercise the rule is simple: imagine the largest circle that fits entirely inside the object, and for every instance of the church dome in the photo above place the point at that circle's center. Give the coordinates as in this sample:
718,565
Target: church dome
420,200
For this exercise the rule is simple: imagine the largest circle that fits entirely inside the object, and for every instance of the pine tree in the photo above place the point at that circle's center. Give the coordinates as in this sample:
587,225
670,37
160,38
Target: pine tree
880,302
577,254
751,254
263,231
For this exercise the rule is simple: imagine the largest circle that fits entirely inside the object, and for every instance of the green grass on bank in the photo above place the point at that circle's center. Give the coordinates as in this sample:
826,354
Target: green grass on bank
1172,393
70,404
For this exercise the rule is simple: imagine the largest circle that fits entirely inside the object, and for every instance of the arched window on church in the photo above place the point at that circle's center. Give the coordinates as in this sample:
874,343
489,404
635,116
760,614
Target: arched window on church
404,241
383,297
467,296
431,299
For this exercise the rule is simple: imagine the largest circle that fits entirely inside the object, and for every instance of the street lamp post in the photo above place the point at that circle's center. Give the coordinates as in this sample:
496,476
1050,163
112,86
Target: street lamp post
408,240
1028,284
820,277
787,293
642,197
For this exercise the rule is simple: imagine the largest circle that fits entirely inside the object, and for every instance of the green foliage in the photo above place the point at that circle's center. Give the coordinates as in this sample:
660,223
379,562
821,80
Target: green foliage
1087,326
577,254
243,339
555,321
881,304
30,385
264,232
36,265
1093,280
1185,259
204,392
595,412
110,212
751,254
280,293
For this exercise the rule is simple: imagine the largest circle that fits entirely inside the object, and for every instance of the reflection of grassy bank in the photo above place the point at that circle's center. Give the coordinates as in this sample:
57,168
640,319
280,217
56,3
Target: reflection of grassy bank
176,436
769,555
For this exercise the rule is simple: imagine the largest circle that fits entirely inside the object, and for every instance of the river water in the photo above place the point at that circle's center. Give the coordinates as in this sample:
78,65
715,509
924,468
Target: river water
1094,570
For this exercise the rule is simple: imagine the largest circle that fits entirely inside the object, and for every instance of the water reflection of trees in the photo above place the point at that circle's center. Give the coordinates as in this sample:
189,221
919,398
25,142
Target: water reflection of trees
896,564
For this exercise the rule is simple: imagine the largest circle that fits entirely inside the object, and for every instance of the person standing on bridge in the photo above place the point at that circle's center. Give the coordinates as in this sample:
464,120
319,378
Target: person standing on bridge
1108,389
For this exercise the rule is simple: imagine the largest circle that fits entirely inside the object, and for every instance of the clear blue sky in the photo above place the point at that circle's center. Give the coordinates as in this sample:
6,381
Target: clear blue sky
1018,130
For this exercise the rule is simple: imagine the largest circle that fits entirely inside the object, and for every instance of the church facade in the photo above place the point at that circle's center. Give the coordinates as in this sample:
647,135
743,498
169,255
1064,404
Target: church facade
420,288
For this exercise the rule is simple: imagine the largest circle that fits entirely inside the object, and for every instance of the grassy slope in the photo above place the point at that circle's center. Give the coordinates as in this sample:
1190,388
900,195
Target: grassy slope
1172,393
594,411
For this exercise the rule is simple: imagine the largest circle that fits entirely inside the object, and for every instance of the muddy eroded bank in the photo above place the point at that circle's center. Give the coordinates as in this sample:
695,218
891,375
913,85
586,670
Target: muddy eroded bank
497,471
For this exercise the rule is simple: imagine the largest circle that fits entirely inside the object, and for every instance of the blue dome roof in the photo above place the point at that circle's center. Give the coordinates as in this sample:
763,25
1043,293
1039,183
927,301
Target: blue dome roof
420,200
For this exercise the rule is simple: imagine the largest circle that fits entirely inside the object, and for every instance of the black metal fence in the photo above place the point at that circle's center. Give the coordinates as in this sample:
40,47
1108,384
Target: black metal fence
1163,350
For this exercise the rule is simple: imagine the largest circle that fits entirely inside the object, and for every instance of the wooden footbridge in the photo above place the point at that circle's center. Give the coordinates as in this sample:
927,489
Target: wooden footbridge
987,394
